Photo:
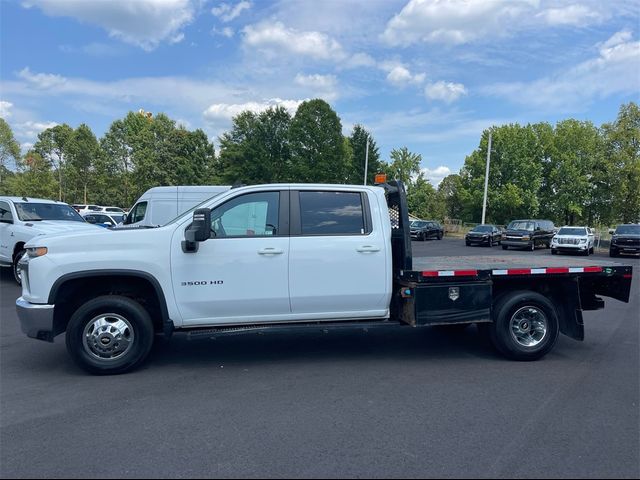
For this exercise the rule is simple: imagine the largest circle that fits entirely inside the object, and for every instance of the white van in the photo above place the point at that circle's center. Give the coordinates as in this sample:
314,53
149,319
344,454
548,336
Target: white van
158,205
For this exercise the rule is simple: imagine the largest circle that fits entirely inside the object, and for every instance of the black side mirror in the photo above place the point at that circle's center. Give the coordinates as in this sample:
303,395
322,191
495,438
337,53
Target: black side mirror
124,219
198,231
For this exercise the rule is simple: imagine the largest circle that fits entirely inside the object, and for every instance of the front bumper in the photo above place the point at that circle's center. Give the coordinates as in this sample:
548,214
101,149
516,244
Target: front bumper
36,320
516,243
477,239
569,247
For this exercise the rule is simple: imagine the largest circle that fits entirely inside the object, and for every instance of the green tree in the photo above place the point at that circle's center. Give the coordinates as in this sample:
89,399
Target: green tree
52,147
621,152
34,179
257,149
82,152
358,141
450,193
424,201
9,150
317,145
404,166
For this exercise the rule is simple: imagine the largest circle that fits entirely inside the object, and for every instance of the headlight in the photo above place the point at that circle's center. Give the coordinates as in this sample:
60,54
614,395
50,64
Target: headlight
583,240
36,251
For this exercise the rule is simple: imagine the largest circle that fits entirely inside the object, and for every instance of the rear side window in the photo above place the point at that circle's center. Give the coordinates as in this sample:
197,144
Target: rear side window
332,213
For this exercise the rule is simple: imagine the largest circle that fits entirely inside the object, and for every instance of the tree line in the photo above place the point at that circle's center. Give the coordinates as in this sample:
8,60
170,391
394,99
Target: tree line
573,172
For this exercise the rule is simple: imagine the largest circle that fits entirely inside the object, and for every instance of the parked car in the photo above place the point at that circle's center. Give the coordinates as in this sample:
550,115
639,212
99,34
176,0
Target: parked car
158,205
528,234
104,219
625,239
423,229
22,219
483,235
82,209
573,239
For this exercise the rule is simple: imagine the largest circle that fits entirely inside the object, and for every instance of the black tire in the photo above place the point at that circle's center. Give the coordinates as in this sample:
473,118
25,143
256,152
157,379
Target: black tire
467,244
591,250
505,247
141,330
440,236
490,242
16,260
503,334
531,247
613,253
423,237
554,251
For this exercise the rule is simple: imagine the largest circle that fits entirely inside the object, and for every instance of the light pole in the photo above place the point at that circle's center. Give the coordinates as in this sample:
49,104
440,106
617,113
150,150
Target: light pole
486,180
366,160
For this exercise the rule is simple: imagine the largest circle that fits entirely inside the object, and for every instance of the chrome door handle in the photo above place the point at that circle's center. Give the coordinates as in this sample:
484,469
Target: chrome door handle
270,251
368,248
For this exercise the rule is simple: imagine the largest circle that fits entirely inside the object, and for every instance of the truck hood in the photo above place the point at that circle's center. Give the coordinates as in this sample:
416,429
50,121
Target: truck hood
44,227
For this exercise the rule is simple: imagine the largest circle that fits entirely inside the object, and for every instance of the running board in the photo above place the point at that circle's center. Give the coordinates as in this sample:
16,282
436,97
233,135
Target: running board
324,327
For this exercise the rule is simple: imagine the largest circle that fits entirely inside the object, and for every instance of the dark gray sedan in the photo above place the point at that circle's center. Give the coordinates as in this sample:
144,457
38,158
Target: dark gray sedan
489,235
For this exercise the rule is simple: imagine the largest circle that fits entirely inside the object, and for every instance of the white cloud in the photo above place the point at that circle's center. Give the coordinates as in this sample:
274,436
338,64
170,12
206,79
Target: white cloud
145,23
453,22
436,175
225,32
457,22
226,111
613,71
322,82
400,76
227,12
5,109
575,15
42,81
31,129
445,91
276,39
361,60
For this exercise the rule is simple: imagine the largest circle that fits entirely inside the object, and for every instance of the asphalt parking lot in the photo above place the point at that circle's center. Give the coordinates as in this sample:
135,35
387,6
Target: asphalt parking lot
399,403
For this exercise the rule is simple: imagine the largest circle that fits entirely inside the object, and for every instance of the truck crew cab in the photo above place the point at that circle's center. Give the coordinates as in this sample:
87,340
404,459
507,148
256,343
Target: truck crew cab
290,255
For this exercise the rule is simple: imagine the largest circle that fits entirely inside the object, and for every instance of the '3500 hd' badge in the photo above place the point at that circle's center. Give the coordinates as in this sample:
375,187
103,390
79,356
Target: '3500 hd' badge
202,282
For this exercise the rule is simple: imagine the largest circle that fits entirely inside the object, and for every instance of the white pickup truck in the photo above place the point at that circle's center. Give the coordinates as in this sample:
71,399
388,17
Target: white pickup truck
291,256
23,218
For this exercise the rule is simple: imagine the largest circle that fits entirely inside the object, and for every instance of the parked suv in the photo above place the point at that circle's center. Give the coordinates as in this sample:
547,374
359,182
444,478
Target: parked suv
423,229
573,239
22,219
528,234
626,239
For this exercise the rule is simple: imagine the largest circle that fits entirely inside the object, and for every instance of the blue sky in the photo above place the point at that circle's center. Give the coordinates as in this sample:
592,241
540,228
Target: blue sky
426,74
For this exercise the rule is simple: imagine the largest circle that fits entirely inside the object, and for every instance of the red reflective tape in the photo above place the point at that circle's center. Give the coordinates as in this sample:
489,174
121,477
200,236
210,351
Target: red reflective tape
558,270
627,275
519,271
592,269
465,273
431,273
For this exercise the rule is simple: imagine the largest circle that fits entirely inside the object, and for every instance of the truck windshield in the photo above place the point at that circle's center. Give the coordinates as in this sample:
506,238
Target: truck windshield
33,212
521,226
628,230
572,231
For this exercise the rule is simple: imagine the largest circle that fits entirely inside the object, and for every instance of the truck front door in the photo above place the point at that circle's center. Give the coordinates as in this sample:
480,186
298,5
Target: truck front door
240,273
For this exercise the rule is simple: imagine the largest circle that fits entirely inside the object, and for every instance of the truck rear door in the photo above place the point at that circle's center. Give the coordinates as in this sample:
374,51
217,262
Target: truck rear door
338,265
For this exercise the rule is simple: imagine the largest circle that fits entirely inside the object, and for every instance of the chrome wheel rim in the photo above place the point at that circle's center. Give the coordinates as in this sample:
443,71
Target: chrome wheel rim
108,336
528,326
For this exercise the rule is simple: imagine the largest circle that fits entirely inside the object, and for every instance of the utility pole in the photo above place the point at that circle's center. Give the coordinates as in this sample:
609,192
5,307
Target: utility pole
366,161
486,180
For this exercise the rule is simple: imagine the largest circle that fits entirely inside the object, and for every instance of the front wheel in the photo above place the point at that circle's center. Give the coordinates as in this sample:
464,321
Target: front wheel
440,235
532,246
613,253
505,247
525,326
110,334
17,274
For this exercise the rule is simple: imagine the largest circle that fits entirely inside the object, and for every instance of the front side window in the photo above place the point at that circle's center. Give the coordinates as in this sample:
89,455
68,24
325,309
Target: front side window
5,212
331,213
251,215
34,212
138,212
